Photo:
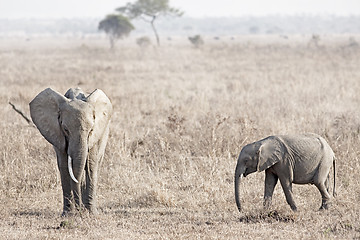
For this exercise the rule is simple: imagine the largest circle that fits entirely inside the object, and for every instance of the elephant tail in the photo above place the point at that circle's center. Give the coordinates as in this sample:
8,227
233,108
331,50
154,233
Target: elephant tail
334,166
238,175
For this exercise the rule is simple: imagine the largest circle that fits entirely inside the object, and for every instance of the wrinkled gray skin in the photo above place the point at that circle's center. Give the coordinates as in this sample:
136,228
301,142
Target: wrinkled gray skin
78,127
300,159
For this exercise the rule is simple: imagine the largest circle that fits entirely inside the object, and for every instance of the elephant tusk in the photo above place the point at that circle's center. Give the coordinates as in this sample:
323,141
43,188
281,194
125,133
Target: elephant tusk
71,171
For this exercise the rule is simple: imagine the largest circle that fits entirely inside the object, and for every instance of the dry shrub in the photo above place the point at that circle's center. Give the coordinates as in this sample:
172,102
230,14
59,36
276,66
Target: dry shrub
196,40
272,216
143,42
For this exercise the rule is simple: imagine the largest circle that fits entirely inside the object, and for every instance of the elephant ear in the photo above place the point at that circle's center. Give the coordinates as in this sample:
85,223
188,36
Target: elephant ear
269,154
102,114
44,111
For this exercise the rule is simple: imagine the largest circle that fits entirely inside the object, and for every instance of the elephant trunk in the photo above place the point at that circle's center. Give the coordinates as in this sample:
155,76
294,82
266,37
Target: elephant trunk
238,174
76,165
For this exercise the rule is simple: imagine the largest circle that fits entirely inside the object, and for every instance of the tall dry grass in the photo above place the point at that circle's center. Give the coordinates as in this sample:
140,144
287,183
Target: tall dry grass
181,117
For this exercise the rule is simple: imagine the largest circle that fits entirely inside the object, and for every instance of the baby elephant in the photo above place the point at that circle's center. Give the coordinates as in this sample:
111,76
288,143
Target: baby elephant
300,159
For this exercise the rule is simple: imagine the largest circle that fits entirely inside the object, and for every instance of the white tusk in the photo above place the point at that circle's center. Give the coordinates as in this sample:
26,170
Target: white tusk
71,171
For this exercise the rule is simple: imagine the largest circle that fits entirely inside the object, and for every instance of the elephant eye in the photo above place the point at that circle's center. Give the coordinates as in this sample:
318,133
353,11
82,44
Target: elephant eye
66,130
248,160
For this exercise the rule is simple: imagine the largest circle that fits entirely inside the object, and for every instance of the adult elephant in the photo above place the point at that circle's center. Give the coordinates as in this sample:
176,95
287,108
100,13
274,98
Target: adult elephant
299,159
78,127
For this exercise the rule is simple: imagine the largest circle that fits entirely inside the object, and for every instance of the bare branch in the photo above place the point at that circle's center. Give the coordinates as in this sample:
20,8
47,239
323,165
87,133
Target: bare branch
144,19
22,114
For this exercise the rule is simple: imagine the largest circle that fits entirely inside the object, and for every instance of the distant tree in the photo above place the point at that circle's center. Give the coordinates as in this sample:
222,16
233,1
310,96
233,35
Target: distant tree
116,27
149,11
196,40
254,30
353,42
143,42
314,41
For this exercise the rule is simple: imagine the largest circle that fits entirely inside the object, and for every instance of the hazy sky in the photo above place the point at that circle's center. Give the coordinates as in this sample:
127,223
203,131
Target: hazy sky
192,8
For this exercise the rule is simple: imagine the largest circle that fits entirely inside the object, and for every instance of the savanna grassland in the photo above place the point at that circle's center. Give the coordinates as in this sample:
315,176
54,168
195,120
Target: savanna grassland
181,116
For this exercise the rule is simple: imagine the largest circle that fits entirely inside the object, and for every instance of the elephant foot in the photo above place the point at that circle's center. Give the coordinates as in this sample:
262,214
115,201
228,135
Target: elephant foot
325,204
267,203
322,208
76,211
67,213
92,209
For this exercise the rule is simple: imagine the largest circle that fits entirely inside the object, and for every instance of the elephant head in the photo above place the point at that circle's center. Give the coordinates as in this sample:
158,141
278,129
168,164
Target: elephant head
73,125
256,157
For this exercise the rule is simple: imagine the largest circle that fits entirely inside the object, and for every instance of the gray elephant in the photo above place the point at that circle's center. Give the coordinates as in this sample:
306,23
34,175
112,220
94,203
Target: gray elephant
78,127
299,159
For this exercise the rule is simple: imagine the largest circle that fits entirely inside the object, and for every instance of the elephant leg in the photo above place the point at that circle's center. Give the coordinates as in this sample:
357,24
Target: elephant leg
65,181
327,183
66,189
77,189
89,193
270,183
322,182
89,190
96,154
287,188
76,192
325,196
84,187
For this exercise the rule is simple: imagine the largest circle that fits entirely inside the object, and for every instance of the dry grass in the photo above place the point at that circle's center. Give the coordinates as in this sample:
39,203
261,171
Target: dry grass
181,118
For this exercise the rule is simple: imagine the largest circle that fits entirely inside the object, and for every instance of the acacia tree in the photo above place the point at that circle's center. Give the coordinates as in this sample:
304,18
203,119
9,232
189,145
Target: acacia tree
149,11
116,27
